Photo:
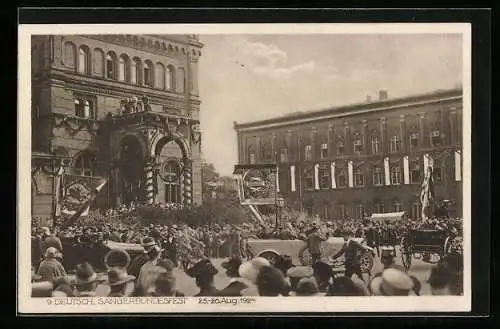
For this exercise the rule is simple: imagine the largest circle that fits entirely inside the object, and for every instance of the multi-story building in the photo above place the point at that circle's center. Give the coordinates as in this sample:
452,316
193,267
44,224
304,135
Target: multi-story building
120,107
365,158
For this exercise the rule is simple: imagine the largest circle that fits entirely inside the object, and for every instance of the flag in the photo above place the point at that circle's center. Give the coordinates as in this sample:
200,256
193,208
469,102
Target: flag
427,193
59,191
86,197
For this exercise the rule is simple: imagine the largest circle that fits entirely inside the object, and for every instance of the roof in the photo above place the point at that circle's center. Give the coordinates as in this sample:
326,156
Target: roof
353,109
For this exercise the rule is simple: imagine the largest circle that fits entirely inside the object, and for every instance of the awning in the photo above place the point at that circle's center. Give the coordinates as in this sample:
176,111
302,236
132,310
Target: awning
392,216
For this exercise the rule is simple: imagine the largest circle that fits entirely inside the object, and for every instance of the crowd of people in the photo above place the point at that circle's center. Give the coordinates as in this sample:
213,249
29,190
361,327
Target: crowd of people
168,249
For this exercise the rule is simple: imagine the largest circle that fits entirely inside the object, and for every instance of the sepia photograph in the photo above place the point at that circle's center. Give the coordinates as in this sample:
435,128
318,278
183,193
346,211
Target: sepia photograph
203,168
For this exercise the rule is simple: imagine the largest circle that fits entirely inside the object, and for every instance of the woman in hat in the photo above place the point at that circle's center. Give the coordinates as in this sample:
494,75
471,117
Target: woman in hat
149,271
120,282
271,282
50,268
204,272
86,280
236,284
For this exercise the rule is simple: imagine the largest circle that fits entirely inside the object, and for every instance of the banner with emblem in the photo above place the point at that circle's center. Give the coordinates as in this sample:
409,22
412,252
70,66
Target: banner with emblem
256,184
78,193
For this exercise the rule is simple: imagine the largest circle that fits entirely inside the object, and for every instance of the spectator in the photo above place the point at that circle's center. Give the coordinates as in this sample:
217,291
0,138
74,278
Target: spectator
86,280
120,282
236,285
204,272
392,282
51,269
296,273
307,287
165,286
270,282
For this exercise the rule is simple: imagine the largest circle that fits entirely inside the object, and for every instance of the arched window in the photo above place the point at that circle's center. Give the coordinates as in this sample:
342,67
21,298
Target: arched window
172,176
70,55
341,178
111,66
148,73
170,77
396,206
359,177
416,210
251,156
436,137
378,176
267,153
375,144
98,60
123,68
357,144
413,140
181,80
416,173
340,146
284,154
308,152
160,76
84,164
395,143
308,178
324,151
84,107
83,60
135,71
324,177
378,207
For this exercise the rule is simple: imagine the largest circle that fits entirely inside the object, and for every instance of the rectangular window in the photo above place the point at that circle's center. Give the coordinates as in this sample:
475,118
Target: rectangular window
324,151
284,154
378,177
341,180
340,149
358,146
436,138
251,158
413,141
324,178
396,176
437,174
359,178
148,81
308,153
309,180
395,144
416,176
375,145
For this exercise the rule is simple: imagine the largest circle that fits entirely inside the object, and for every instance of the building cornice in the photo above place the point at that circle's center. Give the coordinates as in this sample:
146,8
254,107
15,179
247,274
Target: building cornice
352,110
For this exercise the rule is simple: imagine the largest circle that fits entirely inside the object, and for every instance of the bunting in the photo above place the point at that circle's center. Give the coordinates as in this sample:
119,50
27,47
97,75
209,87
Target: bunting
427,193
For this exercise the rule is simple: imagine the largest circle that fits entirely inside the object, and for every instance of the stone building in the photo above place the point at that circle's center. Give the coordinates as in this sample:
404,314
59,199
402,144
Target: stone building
120,107
365,158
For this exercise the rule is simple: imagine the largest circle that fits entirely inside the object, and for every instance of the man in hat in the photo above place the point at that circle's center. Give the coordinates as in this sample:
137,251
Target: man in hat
314,240
387,256
119,281
170,243
48,240
135,265
203,272
307,287
149,271
352,253
236,285
50,268
86,280
392,282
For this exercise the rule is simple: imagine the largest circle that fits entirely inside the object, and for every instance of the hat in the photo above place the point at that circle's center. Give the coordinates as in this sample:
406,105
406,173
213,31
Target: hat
202,268
392,282
387,251
45,230
117,277
307,287
51,252
232,266
300,272
440,276
250,270
85,274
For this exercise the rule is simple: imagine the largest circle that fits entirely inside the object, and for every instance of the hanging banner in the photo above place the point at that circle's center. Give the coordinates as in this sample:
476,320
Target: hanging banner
78,192
292,178
458,166
316,176
387,172
332,173
406,169
256,184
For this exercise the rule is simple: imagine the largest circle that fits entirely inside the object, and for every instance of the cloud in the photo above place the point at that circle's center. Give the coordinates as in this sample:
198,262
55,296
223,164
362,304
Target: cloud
267,59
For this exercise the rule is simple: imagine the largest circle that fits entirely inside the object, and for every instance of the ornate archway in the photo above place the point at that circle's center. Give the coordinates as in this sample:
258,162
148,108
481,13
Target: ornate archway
131,164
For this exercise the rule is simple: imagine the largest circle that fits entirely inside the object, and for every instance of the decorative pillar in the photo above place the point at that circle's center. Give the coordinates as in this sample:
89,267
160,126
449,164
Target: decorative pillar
452,133
383,137
149,169
402,133
364,134
423,136
188,182
347,138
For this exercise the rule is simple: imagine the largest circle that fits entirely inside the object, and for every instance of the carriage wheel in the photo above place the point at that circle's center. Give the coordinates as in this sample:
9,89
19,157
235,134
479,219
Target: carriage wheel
448,243
406,253
271,256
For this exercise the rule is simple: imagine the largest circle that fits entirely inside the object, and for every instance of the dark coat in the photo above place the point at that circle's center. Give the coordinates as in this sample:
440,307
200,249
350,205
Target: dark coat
233,289
211,292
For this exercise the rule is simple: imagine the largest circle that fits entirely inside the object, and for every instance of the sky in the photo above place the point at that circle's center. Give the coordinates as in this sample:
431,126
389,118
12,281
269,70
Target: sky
246,78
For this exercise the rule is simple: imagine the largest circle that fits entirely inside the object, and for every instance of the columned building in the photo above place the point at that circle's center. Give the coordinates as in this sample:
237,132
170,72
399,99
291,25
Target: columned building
365,158
120,107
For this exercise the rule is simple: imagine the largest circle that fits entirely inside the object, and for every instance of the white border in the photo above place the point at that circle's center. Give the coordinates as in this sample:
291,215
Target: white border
26,304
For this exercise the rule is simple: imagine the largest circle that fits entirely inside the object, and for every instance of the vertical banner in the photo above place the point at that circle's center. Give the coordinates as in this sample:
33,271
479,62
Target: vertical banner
292,178
406,169
59,191
350,173
316,176
332,169
277,179
458,166
387,172
257,183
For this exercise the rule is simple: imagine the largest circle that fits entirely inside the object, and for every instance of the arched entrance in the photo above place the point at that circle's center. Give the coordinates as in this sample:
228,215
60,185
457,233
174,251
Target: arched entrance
131,166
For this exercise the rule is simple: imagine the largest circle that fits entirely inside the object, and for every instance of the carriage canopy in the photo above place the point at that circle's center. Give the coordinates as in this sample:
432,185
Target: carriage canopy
391,216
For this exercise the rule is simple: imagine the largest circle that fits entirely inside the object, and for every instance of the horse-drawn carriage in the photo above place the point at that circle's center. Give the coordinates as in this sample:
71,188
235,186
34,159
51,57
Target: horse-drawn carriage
332,252
430,245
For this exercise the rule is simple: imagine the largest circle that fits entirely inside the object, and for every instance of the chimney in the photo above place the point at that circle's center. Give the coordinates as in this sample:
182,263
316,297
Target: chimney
382,95
368,98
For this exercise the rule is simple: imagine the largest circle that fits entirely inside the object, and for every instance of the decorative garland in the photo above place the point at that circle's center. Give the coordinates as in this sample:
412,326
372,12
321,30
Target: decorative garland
74,125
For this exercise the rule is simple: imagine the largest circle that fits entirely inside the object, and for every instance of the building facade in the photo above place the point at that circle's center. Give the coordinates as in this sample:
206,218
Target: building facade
366,158
120,107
